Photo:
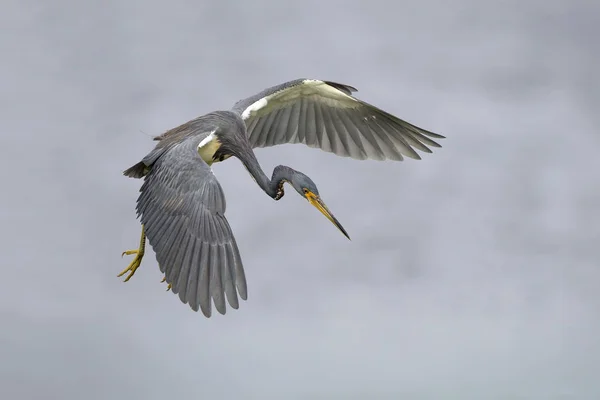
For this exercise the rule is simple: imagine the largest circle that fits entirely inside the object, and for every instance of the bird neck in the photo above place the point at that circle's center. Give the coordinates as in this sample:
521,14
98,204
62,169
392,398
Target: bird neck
274,186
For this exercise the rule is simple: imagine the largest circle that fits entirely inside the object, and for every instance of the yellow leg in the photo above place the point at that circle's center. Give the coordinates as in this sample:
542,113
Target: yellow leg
137,260
168,284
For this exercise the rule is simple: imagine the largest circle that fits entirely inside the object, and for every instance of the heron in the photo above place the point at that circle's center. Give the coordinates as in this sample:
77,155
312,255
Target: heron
181,205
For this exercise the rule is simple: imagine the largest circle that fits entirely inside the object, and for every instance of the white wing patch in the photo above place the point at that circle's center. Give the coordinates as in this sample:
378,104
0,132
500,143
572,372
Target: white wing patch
206,140
254,107
309,87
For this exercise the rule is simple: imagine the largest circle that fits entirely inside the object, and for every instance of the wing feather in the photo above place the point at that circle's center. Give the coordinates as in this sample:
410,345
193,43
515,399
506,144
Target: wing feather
334,145
354,135
325,115
367,136
311,125
292,128
273,133
342,135
182,207
282,132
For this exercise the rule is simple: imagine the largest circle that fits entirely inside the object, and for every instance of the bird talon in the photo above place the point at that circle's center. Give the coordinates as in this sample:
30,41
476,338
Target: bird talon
168,284
137,260
129,252
133,265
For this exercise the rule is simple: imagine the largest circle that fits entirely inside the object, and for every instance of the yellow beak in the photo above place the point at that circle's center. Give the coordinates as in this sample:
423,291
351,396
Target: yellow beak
319,205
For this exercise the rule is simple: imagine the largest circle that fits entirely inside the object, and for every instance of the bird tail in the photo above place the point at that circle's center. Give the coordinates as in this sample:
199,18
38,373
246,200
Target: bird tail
137,171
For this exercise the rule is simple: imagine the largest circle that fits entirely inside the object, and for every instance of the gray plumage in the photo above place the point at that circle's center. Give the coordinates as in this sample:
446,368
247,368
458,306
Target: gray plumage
325,115
182,205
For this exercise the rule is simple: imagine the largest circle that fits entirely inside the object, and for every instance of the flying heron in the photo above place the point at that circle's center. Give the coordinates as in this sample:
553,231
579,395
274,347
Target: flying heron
181,205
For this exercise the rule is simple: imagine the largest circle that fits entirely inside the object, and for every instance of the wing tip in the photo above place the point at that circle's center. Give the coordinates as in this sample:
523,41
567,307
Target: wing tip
221,307
434,135
433,143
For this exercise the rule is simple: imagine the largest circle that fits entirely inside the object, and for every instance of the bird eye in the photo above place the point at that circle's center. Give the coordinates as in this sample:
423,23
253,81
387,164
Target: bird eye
305,191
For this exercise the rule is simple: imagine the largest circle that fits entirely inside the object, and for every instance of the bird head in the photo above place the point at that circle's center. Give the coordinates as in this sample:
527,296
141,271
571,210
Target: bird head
307,189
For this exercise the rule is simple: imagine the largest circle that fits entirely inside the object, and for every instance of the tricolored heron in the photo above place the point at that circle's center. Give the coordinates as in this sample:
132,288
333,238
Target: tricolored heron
182,206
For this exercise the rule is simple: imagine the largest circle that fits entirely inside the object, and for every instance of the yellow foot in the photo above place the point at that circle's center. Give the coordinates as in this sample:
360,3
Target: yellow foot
134,265
137,260
168,285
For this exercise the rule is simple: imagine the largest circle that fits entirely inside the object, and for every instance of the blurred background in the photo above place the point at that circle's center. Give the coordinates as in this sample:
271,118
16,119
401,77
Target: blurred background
472,274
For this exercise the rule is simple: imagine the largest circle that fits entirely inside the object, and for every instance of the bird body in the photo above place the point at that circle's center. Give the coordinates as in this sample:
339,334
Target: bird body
182,205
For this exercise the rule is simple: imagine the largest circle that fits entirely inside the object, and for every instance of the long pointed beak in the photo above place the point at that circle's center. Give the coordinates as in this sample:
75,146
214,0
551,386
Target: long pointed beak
320,205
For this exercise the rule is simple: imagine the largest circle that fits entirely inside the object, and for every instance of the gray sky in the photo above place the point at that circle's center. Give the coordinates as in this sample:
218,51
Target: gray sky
471,274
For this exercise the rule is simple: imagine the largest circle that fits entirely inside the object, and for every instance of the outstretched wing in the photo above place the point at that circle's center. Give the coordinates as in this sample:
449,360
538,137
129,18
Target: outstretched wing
325,115
182,208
